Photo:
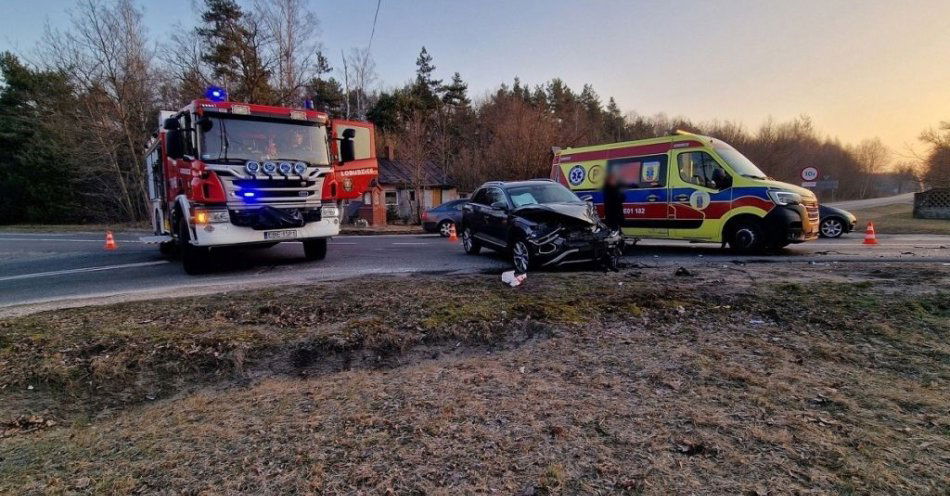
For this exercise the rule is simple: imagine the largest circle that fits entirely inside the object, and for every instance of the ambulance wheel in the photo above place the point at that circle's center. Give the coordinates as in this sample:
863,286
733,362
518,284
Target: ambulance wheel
747,236
315,249
468,242
194,259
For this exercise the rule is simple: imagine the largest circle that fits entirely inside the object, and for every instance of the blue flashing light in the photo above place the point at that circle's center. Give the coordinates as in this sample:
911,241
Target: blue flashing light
216,94
248,194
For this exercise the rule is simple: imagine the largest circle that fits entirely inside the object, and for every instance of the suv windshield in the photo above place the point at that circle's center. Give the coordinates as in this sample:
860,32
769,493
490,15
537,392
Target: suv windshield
739,163
233,138
531,194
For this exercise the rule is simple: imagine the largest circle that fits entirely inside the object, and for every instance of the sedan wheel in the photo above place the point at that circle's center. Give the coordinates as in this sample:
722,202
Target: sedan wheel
520,257
831,228
445,228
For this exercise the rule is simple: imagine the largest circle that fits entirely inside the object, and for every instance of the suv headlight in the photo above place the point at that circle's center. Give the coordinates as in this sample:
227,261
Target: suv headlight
785,197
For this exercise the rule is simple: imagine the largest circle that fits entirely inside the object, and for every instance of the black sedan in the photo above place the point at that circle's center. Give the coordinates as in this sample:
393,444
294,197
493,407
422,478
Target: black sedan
538,223
833,222
440,219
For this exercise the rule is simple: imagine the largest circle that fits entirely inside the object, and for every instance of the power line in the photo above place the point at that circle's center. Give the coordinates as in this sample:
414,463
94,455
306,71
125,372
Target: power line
373,32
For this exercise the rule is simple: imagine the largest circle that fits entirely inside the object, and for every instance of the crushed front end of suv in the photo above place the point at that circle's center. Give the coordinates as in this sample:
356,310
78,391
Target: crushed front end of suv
539,223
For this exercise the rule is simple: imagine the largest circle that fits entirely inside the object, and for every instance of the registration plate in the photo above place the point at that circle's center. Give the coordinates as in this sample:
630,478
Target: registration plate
280,234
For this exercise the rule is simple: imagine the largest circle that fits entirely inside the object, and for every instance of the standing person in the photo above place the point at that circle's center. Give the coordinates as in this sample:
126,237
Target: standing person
613,201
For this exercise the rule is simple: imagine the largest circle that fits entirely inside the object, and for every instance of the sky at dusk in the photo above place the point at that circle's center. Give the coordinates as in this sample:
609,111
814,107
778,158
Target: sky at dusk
858,68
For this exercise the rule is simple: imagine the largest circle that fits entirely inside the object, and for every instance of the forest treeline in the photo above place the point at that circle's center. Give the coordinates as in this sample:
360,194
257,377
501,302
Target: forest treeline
76,112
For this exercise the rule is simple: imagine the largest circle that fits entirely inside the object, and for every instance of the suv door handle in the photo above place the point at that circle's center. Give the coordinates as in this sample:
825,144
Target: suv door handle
682,198
652,198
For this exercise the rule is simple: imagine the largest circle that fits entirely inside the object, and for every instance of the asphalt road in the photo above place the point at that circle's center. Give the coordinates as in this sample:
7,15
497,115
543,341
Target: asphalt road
49,270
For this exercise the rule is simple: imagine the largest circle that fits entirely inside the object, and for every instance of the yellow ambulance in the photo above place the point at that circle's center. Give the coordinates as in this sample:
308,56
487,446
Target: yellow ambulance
690,187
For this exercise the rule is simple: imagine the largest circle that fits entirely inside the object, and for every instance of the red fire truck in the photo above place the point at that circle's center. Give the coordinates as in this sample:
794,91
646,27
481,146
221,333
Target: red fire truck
222,173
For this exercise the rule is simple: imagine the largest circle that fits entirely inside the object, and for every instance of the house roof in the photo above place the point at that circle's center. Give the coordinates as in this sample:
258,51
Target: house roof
397,172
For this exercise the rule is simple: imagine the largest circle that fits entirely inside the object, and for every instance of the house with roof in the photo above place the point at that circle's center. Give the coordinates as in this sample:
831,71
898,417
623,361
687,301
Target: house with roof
402,188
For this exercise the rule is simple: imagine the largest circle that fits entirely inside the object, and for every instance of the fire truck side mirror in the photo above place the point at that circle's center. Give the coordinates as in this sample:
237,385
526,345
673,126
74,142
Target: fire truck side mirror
171,124
175,144
347,146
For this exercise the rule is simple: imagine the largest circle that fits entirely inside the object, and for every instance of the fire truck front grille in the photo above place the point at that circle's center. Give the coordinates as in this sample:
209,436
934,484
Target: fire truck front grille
274,189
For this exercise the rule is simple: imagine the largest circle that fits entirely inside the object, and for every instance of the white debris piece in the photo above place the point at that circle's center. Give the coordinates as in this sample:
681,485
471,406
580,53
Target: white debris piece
511,279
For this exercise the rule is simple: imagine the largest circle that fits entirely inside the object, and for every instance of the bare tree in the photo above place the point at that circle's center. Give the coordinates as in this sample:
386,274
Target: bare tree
359,74
872,157
294,46
106,56
413,148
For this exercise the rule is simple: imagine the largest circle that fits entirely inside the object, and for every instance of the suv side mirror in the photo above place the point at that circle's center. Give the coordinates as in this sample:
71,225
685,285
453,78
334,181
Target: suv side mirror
175,144
500,205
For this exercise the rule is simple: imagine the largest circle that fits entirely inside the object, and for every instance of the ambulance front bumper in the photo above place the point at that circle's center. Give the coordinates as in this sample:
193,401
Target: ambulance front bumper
790,223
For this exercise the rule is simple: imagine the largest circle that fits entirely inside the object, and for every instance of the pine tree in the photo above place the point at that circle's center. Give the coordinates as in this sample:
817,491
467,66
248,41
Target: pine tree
234,51
425,90
456,93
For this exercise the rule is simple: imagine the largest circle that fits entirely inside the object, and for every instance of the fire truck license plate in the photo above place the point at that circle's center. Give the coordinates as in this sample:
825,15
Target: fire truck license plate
280,234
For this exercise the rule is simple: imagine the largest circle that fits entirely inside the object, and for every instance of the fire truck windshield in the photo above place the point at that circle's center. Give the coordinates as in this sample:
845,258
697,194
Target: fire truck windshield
237,139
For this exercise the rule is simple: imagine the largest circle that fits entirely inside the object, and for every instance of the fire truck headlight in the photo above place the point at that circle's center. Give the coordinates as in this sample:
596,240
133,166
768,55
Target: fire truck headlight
203,216
329,210
300,168
269,167
285,168
252,167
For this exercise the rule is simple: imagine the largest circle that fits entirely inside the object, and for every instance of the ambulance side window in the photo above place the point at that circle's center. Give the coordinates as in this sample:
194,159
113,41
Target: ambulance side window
639,172
701,169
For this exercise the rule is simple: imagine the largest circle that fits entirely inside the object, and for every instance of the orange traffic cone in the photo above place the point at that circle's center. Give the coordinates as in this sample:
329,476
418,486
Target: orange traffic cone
869,237
110,241
453,237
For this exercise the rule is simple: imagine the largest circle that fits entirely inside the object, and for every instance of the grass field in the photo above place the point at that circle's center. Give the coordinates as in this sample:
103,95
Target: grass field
899,219
734,380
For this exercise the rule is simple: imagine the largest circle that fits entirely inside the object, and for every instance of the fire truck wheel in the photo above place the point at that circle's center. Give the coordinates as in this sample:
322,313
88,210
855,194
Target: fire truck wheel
168,249
194,259
315,249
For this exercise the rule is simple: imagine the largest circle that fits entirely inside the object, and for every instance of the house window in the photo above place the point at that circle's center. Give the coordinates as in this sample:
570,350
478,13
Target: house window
390,198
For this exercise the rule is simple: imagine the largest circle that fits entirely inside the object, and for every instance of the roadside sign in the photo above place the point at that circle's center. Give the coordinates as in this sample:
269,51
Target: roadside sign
809,174
809,184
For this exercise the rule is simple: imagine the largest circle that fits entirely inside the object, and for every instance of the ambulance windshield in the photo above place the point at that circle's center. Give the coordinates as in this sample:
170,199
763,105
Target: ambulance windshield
237,139
738,162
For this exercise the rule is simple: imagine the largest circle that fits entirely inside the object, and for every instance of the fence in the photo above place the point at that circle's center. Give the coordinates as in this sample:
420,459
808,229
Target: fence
932,204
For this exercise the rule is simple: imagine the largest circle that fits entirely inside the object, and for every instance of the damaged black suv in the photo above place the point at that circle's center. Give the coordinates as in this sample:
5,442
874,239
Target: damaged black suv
539,223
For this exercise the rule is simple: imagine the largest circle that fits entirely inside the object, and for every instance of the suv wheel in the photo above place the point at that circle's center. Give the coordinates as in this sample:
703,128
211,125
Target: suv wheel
521,256
468,242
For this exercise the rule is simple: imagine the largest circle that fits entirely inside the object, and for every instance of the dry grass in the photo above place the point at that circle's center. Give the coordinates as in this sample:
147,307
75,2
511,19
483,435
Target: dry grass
575,384
899,219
